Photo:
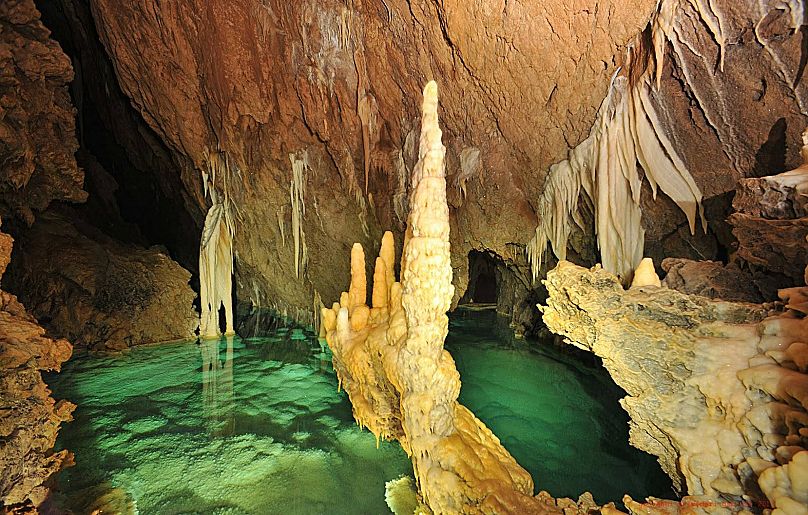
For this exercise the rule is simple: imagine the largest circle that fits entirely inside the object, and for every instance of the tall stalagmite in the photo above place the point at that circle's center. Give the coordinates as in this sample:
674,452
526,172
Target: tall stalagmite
390,358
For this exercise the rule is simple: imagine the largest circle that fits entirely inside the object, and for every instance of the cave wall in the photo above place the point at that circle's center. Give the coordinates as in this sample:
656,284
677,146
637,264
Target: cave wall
29,416
79,282
178,85
126,164
733,103
37,122
261,80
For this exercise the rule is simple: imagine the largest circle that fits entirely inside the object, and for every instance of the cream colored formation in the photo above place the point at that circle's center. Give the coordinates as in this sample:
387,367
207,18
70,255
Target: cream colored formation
297,189
627,132
717,390
216,250
390,359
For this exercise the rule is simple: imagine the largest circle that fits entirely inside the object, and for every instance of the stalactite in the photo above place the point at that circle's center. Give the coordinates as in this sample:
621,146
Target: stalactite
281,214
296,194
469,166
216,248
627,132
400,195
367,110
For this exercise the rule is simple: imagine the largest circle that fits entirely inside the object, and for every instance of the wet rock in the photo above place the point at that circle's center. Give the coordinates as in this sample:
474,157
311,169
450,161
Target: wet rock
97,292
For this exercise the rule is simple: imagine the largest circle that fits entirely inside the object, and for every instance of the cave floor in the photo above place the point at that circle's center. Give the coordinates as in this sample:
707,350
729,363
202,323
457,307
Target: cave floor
258,426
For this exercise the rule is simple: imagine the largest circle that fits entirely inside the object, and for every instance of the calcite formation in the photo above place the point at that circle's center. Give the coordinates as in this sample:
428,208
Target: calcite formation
99,293
604,167
717,390
261,80
645,275
390,359
29,416
523,86
216,250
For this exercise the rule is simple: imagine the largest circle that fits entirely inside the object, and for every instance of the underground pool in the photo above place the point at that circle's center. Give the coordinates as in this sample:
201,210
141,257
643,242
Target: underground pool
257,426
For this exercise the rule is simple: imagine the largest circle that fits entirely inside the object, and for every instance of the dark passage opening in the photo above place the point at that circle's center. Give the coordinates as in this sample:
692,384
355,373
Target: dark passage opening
222,319
482,287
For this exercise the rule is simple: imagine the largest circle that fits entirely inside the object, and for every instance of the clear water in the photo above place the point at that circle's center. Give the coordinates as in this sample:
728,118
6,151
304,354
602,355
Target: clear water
257,426
558,417
226,427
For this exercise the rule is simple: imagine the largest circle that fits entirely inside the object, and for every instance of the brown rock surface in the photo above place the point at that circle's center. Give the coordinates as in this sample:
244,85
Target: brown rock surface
261,81
716,280
29,417
521,85
97,292
777,246
37,122
771,223
717,390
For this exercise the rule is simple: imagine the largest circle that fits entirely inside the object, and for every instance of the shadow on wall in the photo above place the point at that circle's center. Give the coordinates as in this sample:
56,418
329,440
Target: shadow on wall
771,156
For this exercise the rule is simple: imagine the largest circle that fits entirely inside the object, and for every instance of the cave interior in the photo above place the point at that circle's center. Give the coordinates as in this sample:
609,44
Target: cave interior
404,256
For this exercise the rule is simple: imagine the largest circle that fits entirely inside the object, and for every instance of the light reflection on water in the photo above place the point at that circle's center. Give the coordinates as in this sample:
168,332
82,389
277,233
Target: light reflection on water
257,426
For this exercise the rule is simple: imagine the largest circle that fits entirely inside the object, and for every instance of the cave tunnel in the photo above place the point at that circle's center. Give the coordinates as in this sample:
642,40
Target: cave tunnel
482,288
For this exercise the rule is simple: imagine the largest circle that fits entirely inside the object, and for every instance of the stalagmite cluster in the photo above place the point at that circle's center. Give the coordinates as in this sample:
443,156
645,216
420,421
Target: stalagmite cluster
216,250
390,359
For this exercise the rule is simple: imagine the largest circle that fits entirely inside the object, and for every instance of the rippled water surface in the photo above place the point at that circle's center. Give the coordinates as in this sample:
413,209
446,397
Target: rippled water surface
258,426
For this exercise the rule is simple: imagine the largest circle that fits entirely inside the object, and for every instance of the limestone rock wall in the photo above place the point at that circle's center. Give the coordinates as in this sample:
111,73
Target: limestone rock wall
80,283
771,224
99,293
262,80
29,416
522,83
37,138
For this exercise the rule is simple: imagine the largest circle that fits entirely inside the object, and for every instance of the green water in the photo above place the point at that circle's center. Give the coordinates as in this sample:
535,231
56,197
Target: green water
257,426
559,418
246,426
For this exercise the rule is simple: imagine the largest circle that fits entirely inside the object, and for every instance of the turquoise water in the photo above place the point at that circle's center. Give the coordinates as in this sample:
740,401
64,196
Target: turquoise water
257,426
559,418
226,427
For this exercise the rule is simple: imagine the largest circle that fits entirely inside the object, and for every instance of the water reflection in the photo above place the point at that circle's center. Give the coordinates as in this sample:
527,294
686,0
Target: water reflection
217,386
